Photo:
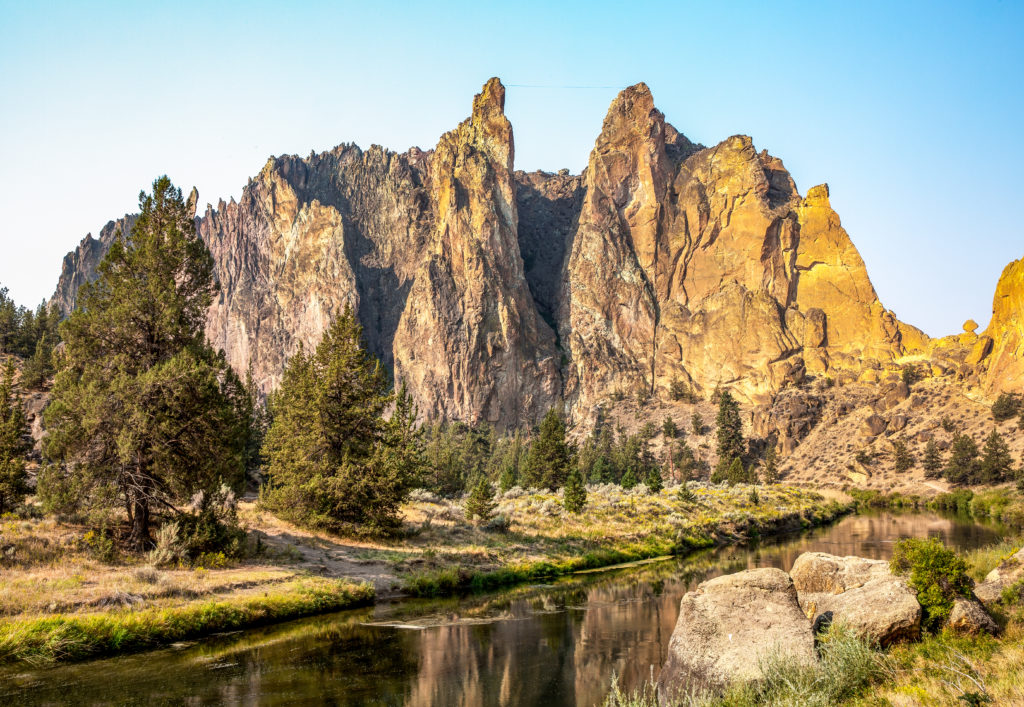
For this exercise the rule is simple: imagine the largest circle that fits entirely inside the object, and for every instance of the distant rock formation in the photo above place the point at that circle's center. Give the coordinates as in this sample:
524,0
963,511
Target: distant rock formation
494,294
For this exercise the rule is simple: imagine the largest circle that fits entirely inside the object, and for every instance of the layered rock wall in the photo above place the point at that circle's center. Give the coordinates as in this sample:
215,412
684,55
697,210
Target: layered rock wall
495,294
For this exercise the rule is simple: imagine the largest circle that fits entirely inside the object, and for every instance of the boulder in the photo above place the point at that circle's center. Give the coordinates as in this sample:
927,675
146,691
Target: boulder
969,616
872,426
726,625
1009,572
864,594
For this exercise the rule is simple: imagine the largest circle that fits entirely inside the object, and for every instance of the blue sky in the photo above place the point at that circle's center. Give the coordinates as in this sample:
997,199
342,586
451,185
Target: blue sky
910,111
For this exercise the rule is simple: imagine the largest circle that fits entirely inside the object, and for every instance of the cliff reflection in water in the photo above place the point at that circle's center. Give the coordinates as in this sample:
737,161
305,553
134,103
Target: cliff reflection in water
546,645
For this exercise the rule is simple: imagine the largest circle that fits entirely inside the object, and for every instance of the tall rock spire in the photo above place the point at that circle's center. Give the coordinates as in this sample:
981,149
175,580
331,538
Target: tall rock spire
470,344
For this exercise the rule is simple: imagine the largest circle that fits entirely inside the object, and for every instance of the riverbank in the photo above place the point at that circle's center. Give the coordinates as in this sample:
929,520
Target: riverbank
65,597
1001,504
944,669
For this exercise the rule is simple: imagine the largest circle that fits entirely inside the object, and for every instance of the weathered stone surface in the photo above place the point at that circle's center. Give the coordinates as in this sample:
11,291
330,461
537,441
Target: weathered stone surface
80,265
969,616
470,343
872,426
1009,573
1005,362
727,624
666,261
862,593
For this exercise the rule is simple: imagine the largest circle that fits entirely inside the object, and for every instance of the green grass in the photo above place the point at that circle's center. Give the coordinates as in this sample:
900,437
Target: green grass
77,637
454,579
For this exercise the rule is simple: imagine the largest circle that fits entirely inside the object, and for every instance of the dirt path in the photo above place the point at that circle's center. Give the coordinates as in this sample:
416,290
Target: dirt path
318,554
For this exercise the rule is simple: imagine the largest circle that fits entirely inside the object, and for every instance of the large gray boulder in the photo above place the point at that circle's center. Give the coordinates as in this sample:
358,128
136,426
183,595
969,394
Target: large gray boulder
1009,573
863,594
726,625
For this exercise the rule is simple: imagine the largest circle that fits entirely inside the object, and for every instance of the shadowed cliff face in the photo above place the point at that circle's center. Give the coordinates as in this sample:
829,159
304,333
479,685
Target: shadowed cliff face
666,262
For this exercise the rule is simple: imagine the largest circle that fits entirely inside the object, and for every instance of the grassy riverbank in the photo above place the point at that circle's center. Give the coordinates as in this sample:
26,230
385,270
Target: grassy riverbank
66,597
542,540
944,669
1001,504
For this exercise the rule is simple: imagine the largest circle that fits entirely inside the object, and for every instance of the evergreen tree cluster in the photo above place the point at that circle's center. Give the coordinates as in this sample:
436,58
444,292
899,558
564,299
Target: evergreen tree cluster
14,443
967,465
31,335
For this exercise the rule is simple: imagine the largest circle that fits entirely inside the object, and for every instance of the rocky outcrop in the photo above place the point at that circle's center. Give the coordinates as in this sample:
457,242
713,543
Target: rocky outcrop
1000,349
80,265
495,293
727,625
863,594
1009,573
470,343
968,616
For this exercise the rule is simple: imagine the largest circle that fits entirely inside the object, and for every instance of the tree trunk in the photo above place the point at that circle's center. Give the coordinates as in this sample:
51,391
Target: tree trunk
139,537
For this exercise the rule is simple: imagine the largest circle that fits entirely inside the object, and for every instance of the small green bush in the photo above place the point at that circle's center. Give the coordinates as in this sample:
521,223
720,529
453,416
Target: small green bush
937,573
1007,405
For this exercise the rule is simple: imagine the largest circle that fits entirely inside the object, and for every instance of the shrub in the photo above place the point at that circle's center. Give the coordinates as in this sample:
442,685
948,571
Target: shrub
947,424
1007,405
168,545
937,573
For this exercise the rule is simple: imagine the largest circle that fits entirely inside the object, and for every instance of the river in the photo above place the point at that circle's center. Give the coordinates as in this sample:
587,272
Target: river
551,645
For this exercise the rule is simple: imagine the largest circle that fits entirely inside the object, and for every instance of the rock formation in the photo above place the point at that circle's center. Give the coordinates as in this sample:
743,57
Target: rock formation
1001,347
863,594
470,343
727,625
494,294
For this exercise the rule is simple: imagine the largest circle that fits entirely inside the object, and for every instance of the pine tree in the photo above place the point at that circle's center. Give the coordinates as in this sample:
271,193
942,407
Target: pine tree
736,474
144,414
903,459
653,480
628,479
669,429
1007,405
550,458
752,477
14,446
771,467
332,459
574,498
932,461
730,430
480,503
697,424
962,467
996,462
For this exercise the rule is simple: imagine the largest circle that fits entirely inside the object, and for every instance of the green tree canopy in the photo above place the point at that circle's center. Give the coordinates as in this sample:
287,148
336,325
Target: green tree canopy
962,467
333,460
550,457
144,414
996,462
730,430
14,444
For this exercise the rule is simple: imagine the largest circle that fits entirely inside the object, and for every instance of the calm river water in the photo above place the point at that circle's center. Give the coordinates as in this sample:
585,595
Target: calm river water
539,645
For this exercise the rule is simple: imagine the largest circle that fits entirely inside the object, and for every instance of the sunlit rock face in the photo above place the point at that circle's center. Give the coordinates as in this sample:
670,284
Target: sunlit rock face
999,351
470,343
706,266
494,294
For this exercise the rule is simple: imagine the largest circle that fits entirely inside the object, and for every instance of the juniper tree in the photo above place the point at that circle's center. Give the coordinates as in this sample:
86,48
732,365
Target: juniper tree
14,446
333,461
771,466
697,423
962,466
730,431
736,474
669,428
550,458
480,503
144,413
932,461
574,498
996,463
903,458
